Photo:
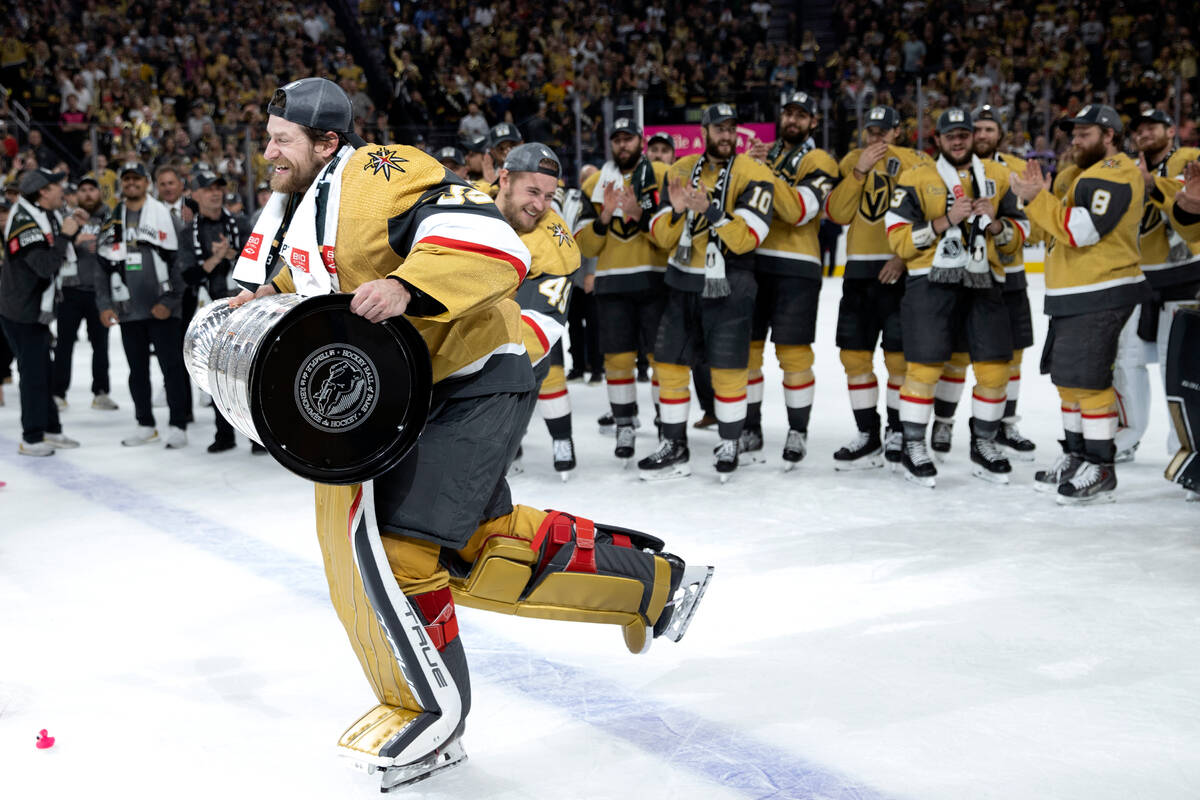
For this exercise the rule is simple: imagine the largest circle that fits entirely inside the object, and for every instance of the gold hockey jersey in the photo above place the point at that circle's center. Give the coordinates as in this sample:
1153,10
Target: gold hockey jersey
921,196
802,182
546,290
448,242
1167,259
626,258
1092,254
738,228
862,204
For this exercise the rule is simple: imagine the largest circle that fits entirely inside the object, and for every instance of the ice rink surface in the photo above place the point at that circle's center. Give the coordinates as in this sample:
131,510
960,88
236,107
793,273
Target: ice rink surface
164,614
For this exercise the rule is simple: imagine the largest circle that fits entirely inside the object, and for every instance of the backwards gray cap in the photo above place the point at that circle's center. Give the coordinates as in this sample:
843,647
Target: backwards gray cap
529,158
314,103
1094,114
36,179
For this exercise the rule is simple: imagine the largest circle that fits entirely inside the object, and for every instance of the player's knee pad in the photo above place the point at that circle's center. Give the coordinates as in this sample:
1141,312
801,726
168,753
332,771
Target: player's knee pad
1069,397
756,354
920,379
555,381
794,357
857,362
960,360
573,569
620,365
896,366
673,379
1096,400
954,371
991,378
729,382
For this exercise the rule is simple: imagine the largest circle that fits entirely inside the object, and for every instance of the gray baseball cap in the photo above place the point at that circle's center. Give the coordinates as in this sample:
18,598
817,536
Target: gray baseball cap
529,158
625,125
37,179
884,117
451,154
955,119
718,113
1094,114
802,99
314,103
504,132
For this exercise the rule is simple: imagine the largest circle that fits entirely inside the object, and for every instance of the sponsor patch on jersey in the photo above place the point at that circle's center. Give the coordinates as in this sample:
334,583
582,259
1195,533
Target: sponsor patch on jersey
252,245
384,160
299,259
336,388
328,260
32,236
893,166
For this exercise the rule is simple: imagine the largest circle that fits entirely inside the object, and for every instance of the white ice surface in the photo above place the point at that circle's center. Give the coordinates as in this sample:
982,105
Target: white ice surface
164,615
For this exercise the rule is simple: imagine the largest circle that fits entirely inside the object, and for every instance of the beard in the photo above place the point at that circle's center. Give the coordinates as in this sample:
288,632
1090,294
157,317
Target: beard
718,151
793,136
1085,158
961,161
296,179
984,151
628,162
514,215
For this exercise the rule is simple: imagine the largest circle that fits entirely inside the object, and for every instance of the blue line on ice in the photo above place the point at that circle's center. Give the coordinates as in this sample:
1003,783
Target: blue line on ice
728,756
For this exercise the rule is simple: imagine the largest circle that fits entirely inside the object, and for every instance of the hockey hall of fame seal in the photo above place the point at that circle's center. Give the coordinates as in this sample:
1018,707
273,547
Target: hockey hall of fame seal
336,388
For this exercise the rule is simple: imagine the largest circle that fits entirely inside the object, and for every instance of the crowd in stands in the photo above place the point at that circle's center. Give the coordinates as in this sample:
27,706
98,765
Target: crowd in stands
171,82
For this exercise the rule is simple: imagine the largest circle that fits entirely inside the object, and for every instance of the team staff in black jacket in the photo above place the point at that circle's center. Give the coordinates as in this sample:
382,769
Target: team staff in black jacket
35,245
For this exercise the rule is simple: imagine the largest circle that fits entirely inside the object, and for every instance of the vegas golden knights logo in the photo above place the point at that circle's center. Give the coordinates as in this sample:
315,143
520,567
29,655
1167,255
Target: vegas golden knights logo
876,198
1151,219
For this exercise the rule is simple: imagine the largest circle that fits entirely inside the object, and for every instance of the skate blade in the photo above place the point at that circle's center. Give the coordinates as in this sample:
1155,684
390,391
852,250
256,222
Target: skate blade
1044,488
693,585
1020,455
928,482
679,471
451,755
998,478
1096,499
724,477
751,459
865,462
566,476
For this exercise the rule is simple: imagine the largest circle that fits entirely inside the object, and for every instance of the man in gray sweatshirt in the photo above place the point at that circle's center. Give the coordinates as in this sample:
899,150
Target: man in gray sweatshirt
144,293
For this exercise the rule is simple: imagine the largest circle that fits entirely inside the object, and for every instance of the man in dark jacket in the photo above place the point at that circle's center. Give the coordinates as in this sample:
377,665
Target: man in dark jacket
78,302
36,244
144,293
208,250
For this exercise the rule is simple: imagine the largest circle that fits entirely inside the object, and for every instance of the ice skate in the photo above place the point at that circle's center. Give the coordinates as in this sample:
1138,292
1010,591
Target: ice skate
750,446
625,443
363,744
685,599
939,439
893,447
988,461
1091,483
670,460
564,457
918,466
1048,480
1011,439
794,449
865,451
726,458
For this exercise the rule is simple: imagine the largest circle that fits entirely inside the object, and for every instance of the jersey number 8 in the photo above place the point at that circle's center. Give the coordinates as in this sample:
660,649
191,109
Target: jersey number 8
1100,201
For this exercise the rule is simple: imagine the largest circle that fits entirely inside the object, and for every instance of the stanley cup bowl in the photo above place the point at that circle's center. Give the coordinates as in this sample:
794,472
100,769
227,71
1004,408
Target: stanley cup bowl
334,398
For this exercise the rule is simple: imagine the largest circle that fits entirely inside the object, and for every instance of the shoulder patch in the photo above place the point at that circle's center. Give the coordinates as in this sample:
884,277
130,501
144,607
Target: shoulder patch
384,160
561,235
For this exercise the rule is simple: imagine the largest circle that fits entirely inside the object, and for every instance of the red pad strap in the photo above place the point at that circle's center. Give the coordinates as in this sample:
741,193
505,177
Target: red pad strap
584,557
438,607
621,540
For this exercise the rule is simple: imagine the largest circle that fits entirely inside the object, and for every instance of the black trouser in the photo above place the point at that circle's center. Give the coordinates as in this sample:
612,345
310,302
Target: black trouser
224,428
136,338
30,341
6,358
187,311
79,305
584,332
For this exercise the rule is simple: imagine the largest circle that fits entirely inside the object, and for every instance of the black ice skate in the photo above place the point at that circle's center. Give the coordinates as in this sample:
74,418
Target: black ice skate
725,457
750,446
670,460
1018,446
918,466
1048,480
608,426
989,461
794,449
687,589
1091,483
864,452
625,438
893,446
564,457
939,439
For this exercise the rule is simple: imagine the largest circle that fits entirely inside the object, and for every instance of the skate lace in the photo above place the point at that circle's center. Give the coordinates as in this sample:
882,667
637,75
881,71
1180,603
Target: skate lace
1011,432
563,450
625,436
1059,467
917,452
1085,476
666,448
795,441
727,450
894,439
989,450
858,443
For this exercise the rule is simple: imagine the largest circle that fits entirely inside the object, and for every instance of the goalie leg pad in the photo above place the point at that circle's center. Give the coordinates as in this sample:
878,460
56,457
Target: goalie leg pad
570,568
